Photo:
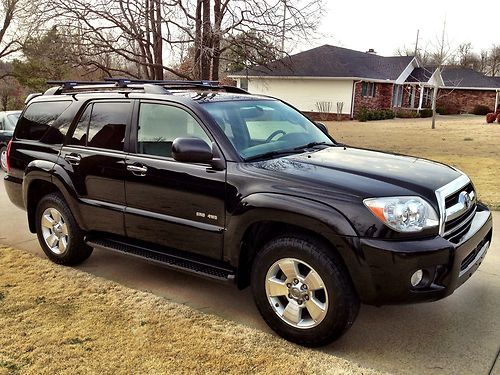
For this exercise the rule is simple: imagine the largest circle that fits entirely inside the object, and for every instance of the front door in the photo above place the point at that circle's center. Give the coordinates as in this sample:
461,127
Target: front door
174,204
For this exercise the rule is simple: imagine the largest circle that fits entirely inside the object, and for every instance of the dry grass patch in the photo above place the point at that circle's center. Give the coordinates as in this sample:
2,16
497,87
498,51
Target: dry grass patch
465,142
59,320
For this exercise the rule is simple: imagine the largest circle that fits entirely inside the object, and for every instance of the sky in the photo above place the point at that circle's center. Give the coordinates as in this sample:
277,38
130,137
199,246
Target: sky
386,25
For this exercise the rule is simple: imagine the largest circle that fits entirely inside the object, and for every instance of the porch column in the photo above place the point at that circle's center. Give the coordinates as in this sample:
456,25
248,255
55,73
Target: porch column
421,99
496,100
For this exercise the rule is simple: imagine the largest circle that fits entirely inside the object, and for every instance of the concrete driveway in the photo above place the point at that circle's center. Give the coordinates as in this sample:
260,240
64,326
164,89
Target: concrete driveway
457,335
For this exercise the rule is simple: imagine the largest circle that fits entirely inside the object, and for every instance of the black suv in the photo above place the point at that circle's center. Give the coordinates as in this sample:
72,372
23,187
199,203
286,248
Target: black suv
245,189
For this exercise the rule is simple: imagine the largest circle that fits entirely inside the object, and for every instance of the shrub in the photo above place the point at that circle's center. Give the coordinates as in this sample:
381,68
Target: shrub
389,114
378,114
426,112
498,118
448,109
490,117
362,114
481,110
404,113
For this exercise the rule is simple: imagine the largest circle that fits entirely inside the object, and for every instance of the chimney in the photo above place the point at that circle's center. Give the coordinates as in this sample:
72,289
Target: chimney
371,51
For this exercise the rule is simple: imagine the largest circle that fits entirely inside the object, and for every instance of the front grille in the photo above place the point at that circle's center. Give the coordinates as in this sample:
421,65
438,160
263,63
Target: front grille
458,217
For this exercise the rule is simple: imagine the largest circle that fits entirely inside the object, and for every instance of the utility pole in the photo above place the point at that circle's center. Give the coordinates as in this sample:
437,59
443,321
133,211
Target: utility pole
442,58
416,43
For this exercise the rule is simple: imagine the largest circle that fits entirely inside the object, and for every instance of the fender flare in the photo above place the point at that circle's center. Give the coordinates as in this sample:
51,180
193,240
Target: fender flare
309,214
54,174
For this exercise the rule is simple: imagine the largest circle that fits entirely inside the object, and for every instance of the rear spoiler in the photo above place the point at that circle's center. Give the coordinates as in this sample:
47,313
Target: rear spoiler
31,96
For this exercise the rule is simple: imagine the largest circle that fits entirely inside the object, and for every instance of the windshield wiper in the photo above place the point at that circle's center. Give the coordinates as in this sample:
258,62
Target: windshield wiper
272,154
314,144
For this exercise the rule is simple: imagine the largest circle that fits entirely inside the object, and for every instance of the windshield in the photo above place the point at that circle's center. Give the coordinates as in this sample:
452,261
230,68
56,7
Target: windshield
261,128
12,120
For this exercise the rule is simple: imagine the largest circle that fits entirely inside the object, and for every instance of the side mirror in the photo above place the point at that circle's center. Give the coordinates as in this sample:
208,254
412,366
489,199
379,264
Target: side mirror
191,150
322,127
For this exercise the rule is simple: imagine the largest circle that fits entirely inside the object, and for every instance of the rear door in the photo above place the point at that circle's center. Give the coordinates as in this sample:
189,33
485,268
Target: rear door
179,205
94,157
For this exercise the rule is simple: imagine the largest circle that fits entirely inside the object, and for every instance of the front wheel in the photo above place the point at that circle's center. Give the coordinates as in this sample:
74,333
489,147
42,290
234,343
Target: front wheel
58,233
303,291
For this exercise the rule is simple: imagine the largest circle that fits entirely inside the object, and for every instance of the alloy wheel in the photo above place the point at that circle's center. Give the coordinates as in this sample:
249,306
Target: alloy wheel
296,293
54,231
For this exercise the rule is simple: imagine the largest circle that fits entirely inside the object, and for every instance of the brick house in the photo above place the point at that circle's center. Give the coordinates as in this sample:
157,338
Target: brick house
331,82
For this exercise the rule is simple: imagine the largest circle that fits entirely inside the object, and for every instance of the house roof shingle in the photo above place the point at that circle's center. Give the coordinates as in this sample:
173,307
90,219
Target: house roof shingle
466,77
335,62
454,76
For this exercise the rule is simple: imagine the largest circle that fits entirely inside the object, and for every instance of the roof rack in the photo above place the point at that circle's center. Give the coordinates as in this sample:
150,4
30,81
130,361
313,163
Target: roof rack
148,86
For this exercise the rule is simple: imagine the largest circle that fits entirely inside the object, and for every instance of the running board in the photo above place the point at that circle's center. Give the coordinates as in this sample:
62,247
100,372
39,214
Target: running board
178,262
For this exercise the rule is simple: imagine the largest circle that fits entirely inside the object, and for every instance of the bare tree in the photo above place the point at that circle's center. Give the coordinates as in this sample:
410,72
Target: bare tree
132,31
494,61
19,19
466,57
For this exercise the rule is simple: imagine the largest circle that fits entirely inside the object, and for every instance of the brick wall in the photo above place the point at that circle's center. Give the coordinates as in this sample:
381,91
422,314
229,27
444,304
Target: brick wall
465,100
381,100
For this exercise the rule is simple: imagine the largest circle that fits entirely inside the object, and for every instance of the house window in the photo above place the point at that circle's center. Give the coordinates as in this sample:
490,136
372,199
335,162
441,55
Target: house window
244,84
397,96
427,101
368,89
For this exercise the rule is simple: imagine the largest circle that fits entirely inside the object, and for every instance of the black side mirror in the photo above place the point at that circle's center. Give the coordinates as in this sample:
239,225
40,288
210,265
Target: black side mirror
322,127
191,150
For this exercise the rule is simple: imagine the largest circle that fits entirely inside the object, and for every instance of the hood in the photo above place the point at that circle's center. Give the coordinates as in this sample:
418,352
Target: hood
363,173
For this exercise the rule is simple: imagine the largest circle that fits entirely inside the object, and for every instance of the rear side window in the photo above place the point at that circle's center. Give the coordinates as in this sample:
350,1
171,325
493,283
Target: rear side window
38,118
102,125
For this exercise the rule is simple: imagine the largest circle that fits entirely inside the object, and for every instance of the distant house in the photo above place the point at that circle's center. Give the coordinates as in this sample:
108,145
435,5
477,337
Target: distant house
340,80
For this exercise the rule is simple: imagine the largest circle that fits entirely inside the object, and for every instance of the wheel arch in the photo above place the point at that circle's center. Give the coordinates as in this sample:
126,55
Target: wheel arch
262,217
42,178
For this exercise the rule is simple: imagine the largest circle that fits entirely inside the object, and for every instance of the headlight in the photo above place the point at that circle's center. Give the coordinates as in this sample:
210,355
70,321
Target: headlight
403,214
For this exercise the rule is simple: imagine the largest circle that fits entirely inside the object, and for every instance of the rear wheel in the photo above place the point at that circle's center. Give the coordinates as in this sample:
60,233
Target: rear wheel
3,158
58,233
303,291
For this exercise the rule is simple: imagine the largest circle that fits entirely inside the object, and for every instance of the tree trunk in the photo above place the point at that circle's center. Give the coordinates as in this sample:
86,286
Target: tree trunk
216,38
197,41
206,42
157,40
434,99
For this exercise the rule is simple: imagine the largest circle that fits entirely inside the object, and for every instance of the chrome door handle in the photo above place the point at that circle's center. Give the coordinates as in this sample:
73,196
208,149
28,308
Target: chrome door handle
73,159
139,170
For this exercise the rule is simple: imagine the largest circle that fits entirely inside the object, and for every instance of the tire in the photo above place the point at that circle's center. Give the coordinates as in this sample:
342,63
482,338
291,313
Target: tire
58,233
3,158
311,315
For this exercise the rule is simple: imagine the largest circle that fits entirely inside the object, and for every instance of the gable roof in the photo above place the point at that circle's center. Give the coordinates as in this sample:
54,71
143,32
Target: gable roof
454,76
332,61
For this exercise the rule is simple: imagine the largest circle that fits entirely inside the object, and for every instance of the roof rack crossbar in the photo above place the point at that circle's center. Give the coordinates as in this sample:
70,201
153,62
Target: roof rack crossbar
163,82
149,86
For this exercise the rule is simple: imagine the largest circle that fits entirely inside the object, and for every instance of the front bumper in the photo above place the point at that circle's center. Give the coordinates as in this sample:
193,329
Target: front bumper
388,265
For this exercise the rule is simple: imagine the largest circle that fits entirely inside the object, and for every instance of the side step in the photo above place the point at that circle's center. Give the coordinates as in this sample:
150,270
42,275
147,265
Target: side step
177,261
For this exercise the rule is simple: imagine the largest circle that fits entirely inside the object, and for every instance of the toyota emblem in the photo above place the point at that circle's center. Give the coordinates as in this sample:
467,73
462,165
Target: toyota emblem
464,198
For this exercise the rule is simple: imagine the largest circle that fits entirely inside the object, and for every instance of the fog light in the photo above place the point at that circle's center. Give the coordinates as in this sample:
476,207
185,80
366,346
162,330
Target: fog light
417,277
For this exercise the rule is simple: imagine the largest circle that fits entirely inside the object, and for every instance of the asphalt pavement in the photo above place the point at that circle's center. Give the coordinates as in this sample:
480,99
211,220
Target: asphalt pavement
457,335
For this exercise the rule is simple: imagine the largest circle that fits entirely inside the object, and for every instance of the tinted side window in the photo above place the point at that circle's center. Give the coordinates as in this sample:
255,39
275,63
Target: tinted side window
107,125
79,136
160,125
38,118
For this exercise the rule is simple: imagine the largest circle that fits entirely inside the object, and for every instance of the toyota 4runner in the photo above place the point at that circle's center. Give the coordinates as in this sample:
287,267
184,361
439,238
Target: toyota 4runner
241,188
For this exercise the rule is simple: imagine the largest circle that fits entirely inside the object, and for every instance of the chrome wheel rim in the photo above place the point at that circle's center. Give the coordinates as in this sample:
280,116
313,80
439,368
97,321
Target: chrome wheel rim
54,231
3,160
296,293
